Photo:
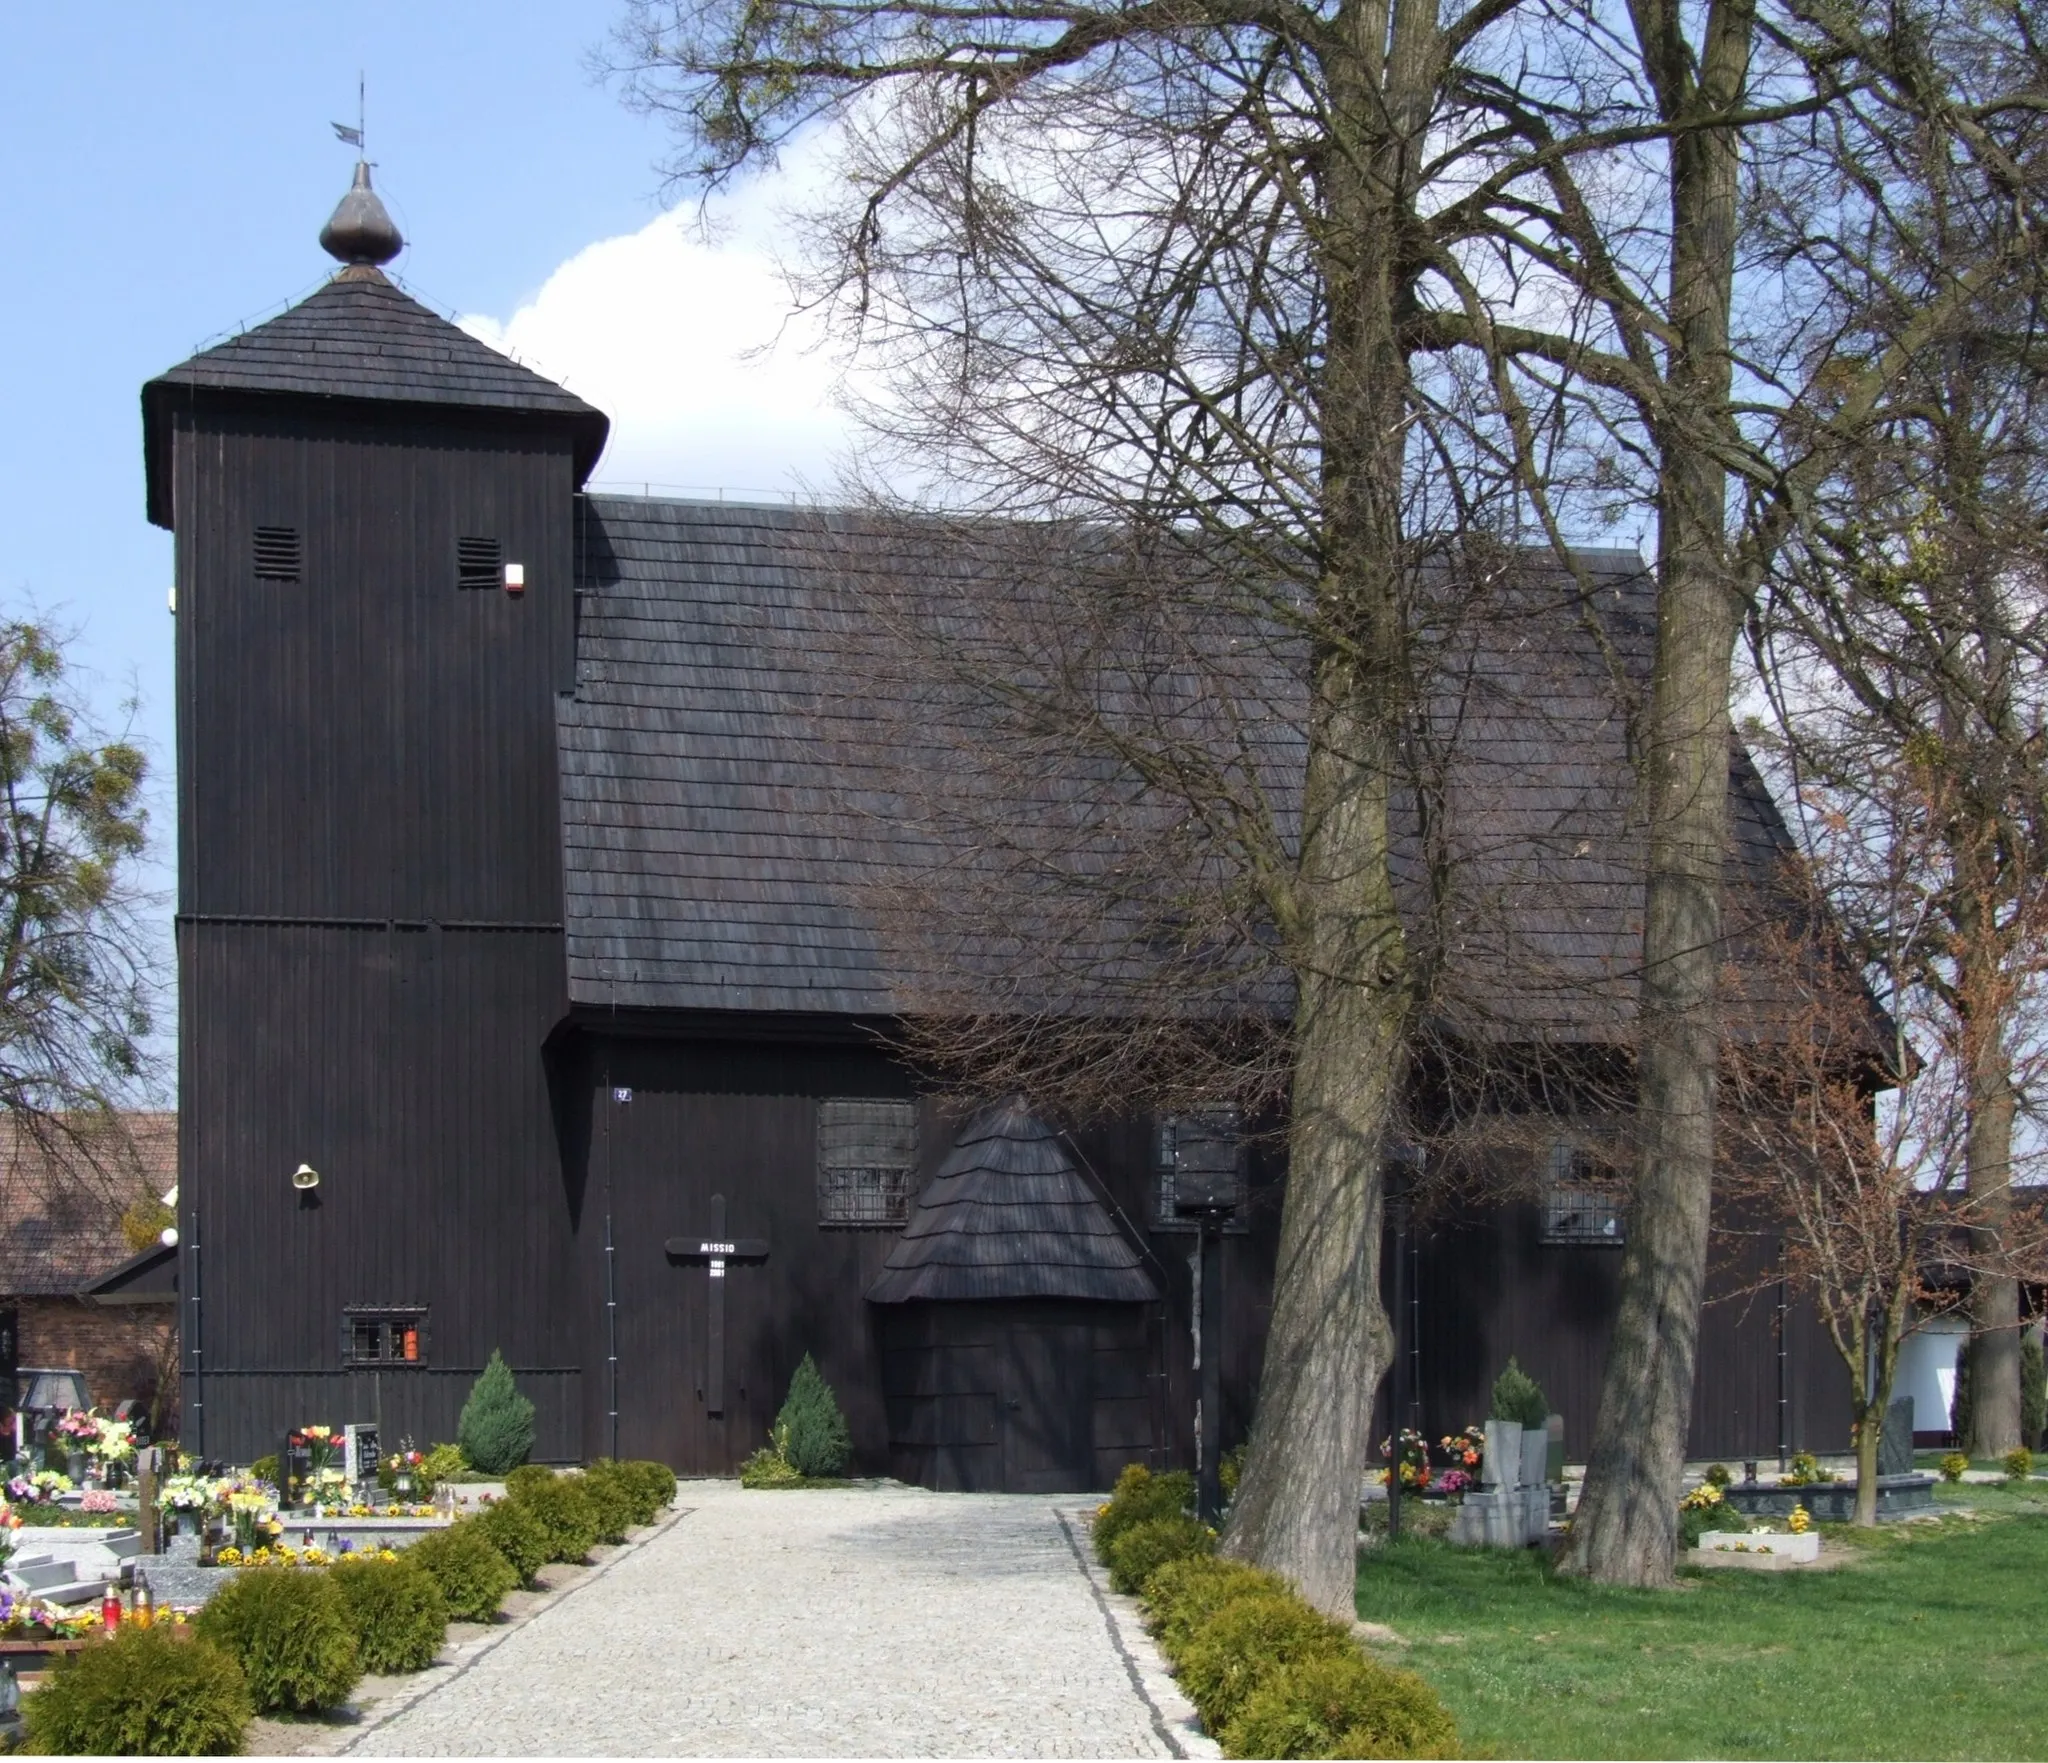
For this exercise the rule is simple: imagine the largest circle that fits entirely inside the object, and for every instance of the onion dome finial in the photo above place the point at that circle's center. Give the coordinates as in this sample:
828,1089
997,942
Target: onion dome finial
359,231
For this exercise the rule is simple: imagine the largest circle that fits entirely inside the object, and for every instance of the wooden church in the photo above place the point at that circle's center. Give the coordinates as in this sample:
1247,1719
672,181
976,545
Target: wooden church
527,1000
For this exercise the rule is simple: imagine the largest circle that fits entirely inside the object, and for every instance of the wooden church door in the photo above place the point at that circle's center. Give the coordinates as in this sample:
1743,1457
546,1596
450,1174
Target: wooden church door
1046,1409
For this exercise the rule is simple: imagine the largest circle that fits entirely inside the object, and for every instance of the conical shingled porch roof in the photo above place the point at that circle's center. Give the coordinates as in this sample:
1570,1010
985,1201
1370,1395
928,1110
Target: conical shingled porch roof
1009,1216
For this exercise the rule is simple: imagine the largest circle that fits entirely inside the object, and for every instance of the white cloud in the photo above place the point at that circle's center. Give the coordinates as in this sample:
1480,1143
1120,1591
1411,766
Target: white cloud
690,344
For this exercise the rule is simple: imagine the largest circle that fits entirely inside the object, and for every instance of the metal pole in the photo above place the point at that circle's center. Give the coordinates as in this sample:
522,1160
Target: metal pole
1784,1401
1210,1498
611,1318
1397,1396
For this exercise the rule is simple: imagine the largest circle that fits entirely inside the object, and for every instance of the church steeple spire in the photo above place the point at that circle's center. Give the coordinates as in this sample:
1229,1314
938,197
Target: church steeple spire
359,230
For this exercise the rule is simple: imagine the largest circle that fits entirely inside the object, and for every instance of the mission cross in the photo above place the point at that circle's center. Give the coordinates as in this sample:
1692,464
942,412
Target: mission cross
715,1251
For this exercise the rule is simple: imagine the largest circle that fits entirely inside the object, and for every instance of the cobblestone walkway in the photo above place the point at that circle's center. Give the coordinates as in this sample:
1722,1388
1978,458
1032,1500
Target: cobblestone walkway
827,1623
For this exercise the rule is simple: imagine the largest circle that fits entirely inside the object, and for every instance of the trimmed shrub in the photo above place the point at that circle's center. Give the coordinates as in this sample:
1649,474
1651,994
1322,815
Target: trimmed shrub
768,1468
496,1428
464,1563
1243,1644
516,1534
1140,1496
562,1510
290,1632
1718,1475
660,1482
528,1475
2018,1463
443,1463
1184,1594
1953,1466
1139,1552
1341,1704
399,1615
265,1469
145,1693
613,1500
1517,1397
810,1430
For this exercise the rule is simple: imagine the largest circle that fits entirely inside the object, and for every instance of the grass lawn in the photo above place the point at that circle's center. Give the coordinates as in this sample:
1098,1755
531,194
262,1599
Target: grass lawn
1924,1645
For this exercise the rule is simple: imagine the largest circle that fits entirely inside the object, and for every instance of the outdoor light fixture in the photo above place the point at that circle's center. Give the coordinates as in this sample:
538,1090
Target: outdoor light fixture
305,1178
168,1236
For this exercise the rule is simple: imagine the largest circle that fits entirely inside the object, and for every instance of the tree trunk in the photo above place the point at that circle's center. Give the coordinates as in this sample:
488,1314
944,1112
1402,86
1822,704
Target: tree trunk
1328,1343
1994,1297
1626,1527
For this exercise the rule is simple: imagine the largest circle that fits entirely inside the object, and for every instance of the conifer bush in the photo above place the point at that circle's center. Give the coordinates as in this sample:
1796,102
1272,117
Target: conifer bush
1140,1551
660,1482
516,1534
1138,1497
614,1500
396,1607
528,1475
1243,1644
290,1632
562,1510
145,1693
1340,1704
473,1576
1517,1397
811,1432
1184,1594
496,1428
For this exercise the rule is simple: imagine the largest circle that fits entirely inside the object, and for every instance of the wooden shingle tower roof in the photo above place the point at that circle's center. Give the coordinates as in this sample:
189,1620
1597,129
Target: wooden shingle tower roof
360,339
1009,1216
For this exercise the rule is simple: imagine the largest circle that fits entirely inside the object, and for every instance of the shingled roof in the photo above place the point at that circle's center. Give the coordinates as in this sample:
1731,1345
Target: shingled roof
1009,1216
61,1205
360,337
734,789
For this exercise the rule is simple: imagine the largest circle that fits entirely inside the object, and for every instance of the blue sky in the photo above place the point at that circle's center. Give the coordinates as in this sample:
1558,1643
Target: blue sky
168,170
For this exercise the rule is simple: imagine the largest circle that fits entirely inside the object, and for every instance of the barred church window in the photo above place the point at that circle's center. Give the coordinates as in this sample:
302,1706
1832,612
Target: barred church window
867,1156
1584,1200
383,1337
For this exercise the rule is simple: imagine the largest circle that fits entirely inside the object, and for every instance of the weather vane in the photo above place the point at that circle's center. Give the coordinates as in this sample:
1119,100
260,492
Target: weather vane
353,136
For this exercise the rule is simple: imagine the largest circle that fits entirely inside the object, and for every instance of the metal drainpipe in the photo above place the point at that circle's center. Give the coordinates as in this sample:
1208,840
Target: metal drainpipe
1784,1398
611,1274
196,1348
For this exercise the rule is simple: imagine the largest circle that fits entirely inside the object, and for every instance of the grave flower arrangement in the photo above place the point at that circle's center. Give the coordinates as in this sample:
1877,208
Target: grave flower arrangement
77,1428
113,1441
98,1500
1800,1522
190,1493
321,1450
1413,1463
1464,1450
1454,1483
40,1488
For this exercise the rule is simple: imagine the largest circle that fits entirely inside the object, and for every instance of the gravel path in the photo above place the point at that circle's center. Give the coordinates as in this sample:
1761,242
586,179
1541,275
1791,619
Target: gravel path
827,1623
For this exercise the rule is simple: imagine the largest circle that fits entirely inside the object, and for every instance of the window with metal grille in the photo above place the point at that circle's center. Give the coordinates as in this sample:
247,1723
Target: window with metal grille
479,563
377,1336
280,556
1199,1161
1584,1201
867,1157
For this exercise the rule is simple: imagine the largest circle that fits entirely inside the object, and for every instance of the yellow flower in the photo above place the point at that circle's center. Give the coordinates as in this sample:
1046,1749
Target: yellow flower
1800,1521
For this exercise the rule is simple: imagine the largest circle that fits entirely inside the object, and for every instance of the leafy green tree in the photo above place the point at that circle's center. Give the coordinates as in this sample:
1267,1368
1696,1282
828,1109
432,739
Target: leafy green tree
77,976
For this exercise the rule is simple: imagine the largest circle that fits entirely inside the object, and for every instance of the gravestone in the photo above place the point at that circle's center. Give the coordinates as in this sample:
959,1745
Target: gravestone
1895,1443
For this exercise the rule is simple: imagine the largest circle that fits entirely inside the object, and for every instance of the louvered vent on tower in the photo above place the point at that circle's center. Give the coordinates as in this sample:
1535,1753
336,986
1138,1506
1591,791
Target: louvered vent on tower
280,556
479,563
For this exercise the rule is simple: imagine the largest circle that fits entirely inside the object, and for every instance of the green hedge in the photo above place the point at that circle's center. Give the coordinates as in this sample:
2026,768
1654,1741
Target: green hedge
658,1483
517,1535
1139,1497
473,1576
613,1500
1272,1677
397,1610
563,1512
290,1632
145,1693
1340,1705
1135,1554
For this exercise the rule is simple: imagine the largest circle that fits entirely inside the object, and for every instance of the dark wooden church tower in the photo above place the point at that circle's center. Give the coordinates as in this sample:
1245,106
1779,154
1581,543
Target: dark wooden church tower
375,612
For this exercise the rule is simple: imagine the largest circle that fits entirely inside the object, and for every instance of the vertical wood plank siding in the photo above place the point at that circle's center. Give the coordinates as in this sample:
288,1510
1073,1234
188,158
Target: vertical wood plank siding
370,953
